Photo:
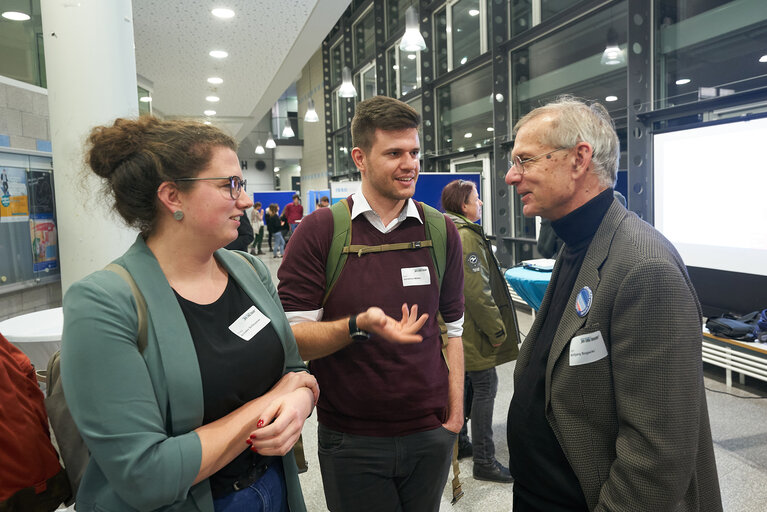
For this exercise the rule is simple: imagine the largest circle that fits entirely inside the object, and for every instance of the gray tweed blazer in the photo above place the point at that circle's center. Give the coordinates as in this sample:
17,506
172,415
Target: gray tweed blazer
634,424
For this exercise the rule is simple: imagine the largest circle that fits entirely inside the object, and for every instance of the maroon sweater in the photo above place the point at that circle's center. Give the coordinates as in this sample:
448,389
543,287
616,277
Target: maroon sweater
375,387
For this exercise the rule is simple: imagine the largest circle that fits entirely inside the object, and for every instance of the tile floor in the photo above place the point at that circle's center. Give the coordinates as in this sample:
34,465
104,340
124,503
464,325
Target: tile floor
739,426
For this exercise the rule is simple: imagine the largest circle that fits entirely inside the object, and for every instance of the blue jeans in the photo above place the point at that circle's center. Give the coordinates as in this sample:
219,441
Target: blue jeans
484,384
278,243
267,494
384,474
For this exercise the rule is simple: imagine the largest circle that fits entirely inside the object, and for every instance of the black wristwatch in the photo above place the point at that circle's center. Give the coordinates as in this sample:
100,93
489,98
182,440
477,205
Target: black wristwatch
355,332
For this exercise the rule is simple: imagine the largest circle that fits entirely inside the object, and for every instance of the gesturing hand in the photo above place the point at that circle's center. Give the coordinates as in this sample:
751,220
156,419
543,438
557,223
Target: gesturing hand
395,331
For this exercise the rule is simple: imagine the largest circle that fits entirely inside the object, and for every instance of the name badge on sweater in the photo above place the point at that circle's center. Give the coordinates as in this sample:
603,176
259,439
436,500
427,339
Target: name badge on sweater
415,276
249,323
587,348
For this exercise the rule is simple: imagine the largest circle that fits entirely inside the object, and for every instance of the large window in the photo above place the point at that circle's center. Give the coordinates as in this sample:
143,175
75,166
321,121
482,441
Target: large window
342,160
465,112
336,62
364,37
459,33
708,49
525,14
365,82
22,55
403,71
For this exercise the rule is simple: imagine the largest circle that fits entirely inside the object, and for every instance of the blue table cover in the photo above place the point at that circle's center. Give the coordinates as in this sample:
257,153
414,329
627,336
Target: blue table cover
529,284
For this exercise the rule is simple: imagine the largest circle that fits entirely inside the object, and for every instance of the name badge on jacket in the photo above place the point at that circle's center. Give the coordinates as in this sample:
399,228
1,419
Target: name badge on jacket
249,323
587,348
415,276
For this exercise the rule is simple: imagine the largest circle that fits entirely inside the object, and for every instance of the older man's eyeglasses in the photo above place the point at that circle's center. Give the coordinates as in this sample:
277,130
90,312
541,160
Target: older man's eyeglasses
236,184
518,165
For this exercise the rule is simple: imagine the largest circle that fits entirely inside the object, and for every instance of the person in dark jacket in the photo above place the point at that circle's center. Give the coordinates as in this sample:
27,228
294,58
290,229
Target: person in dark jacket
489,327
274,225
244,235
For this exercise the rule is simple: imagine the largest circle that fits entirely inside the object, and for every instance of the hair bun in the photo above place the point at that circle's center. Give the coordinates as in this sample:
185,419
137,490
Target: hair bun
110,146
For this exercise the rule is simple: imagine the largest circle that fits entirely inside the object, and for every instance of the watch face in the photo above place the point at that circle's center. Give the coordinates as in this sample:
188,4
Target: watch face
360,336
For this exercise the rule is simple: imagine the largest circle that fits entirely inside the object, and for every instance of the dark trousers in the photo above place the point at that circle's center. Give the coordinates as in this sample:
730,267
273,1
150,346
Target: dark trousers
384,474
259,239
484,385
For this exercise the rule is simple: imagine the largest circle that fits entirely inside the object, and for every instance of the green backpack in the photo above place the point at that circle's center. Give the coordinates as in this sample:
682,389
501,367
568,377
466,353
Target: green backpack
340,247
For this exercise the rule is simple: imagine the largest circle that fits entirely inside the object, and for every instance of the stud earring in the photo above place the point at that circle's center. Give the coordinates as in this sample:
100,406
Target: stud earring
178,215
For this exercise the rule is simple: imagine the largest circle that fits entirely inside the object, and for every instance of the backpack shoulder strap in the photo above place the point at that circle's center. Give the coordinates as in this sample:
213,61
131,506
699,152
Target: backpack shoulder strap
436,231
140,302
342,236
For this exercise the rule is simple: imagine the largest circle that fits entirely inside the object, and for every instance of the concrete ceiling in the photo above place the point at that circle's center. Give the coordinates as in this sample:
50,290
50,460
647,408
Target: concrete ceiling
268,41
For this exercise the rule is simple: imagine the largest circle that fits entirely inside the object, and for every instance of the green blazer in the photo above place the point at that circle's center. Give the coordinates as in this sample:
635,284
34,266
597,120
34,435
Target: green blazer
137,411
634,424
490,333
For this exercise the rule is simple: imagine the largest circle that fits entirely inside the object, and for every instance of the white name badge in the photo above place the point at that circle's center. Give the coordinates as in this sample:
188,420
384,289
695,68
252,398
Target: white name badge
587,348
249,323
415,276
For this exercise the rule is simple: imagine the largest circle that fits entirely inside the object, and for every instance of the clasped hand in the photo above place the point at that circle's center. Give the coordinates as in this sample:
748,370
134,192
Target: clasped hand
280,424
404,330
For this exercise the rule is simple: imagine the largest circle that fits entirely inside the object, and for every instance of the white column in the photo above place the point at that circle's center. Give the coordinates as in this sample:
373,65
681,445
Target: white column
91,69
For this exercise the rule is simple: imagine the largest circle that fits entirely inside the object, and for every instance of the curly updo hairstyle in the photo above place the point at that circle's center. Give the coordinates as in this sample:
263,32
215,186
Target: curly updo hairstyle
134,156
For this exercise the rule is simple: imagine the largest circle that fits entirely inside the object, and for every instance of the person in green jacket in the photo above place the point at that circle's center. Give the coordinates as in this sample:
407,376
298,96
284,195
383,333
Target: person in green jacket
490,334
203,415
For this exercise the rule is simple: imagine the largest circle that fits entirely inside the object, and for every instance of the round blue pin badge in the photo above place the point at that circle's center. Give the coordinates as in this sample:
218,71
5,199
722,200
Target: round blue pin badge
583,301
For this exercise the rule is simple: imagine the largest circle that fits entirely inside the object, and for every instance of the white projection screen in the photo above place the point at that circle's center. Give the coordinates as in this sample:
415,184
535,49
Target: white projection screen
711,194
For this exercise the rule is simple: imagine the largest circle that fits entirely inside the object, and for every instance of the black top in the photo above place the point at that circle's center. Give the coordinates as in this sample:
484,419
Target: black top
233,370
543,478
244,235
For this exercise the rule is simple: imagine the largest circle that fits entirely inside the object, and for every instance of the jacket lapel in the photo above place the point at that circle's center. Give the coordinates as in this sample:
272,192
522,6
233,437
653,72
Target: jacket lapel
588,275
172,337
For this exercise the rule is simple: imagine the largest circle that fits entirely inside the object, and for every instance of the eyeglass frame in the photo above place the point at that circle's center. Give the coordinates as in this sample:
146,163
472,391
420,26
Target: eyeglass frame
235,183
521,163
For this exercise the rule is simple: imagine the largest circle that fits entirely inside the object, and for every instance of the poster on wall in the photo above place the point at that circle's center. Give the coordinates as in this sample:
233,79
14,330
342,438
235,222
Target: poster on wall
42,225
13,195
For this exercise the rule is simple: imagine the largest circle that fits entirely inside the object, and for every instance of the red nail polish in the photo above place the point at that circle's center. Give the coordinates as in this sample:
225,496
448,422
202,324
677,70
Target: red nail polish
249,441
253,449
260,423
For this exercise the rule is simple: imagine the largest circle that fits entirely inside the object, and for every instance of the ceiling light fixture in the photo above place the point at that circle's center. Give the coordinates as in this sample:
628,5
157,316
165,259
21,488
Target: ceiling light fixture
311,114
613,55
212,99
222,12
412,41
145,99
276,169
270,144
611,98
209,112
218,54
683,81
15,16
490,129
347,89
473,12
467,135
763,58
260,149
215,80
287,132
206,122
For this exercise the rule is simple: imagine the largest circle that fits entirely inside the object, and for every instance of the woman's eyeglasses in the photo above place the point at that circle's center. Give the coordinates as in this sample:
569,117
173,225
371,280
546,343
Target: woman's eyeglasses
236,184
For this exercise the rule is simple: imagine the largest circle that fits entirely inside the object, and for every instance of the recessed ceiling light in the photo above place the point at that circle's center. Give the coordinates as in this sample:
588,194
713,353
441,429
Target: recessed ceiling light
490,129
682,81
411,56
473,12
15,16
145,99
206,122
276,169
212,99
215,80
222,12
611,98
218,54
763,58
467,135
209,112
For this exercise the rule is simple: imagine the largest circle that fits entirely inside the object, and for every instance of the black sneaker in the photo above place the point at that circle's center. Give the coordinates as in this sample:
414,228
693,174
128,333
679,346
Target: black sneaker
465,450
494,472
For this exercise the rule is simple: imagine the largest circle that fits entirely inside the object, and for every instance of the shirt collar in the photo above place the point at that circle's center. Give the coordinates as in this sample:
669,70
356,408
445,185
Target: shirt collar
581,224
361,206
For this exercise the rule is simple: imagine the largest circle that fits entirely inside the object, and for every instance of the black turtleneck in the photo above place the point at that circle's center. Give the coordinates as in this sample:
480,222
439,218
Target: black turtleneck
543,478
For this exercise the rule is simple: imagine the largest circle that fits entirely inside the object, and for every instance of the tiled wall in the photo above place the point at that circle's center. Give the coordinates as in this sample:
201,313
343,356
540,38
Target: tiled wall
24,125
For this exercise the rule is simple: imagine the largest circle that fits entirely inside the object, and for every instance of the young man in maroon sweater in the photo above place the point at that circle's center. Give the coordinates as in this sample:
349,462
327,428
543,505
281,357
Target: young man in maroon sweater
389,411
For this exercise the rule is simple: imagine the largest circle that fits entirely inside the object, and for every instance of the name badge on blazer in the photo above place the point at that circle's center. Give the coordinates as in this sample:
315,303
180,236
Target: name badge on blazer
587,348
249,323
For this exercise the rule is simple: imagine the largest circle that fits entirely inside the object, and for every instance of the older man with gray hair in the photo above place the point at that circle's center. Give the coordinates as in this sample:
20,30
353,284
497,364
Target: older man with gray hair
609,409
